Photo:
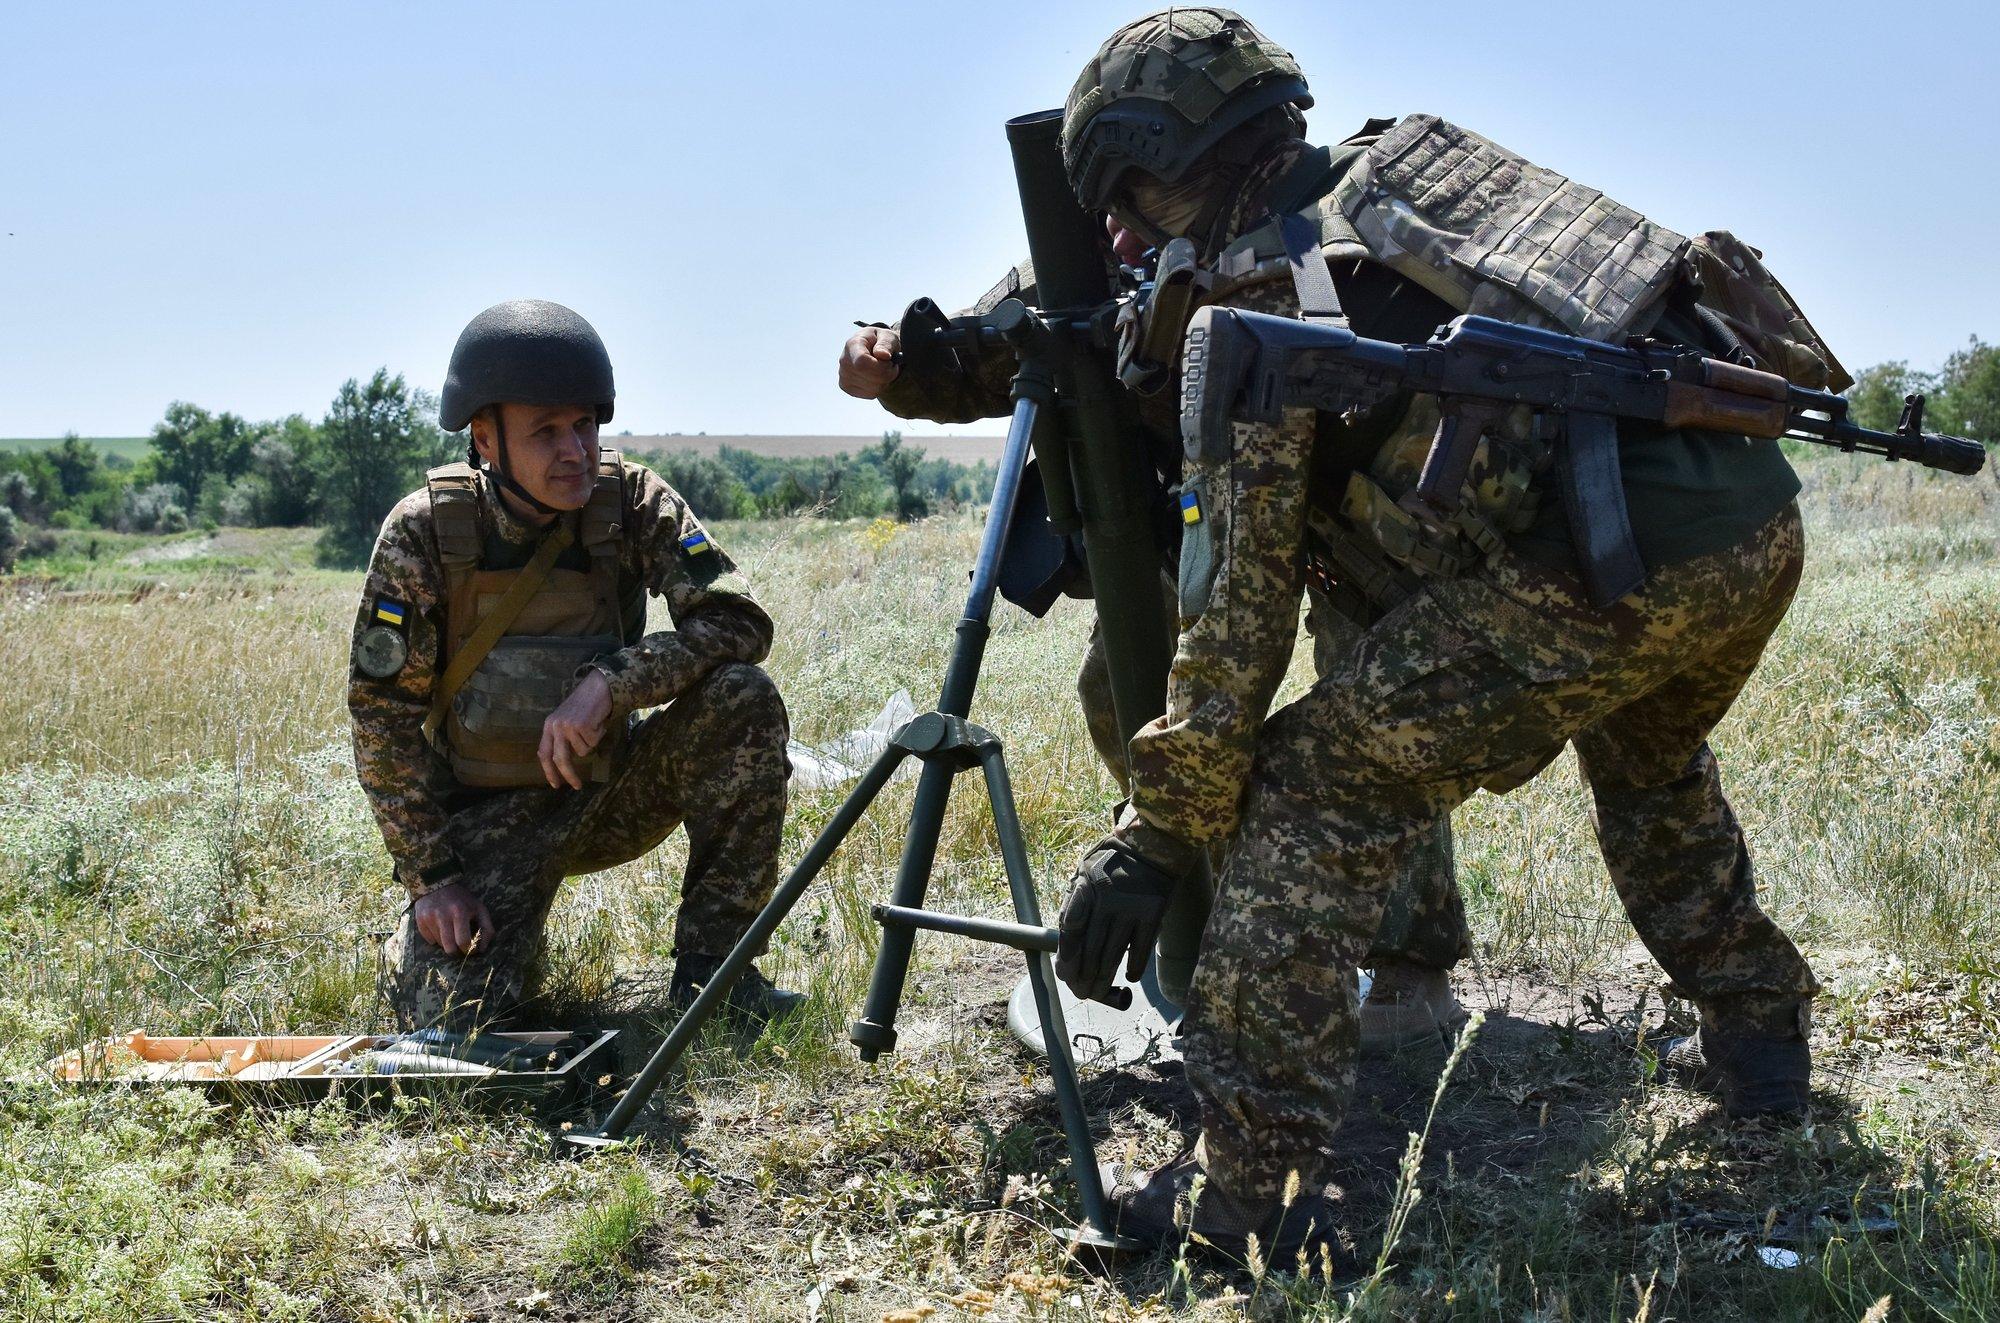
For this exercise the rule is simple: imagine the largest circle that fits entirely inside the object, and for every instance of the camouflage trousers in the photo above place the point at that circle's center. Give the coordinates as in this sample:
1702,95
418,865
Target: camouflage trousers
1423,921
713,761
1478,682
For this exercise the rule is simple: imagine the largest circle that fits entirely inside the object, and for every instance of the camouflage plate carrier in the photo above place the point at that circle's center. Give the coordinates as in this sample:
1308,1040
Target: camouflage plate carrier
1493,234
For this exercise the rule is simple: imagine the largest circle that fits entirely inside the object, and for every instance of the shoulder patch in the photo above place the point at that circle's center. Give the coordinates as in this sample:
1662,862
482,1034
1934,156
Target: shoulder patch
380,652
390,612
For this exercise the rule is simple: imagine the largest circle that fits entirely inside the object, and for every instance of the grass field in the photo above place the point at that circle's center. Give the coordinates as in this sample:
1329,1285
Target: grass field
182,848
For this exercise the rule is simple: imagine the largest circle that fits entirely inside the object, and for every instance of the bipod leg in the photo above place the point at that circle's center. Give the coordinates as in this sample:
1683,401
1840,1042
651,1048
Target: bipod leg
930,736
1099,1230
956,745
717,989
875,1032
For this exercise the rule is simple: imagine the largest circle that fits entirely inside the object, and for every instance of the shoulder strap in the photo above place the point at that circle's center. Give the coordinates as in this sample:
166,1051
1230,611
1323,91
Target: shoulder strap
604,516
602,529
1318,300
454,490
466,660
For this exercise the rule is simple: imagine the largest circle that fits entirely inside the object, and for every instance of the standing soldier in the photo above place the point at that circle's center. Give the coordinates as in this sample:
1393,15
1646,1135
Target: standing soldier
1487,655
500,669
1424,932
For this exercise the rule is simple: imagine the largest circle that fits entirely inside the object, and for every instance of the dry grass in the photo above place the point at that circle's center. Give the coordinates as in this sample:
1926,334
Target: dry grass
182,847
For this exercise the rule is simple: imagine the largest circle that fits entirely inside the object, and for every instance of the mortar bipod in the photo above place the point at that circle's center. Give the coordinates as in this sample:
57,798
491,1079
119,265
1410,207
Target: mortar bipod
961,745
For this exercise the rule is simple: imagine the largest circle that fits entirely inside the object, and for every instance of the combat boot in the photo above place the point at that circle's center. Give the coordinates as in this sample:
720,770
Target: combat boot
1753,1074
753,998
1408,1004
1151,1207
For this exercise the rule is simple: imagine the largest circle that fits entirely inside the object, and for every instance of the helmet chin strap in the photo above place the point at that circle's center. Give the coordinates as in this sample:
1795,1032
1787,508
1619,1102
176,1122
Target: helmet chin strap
499,470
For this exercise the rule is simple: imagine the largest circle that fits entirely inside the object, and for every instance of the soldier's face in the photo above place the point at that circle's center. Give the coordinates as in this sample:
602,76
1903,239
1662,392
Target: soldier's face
550,451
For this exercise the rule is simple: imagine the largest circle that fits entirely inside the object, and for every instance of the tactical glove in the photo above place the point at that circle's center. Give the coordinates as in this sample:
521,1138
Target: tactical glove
1114,908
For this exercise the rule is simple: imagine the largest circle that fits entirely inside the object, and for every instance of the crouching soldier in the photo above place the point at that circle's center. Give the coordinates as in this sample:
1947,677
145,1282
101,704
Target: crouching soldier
501,675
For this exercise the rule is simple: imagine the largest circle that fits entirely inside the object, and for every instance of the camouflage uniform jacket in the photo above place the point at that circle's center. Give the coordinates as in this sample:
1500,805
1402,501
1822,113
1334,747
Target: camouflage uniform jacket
1243,565
664,549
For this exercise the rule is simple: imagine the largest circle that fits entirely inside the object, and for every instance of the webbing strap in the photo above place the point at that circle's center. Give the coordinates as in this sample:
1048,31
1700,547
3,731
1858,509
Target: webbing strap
1318,301
466,660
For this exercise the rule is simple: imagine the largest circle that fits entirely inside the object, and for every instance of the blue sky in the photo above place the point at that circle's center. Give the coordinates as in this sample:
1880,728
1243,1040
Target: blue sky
244,204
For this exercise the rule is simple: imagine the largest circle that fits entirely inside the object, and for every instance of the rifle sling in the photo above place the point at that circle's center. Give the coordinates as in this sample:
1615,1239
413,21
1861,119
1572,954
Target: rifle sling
1593,493
1318,300
466,660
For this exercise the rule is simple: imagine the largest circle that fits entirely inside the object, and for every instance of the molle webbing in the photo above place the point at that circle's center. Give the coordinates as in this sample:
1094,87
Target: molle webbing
600,530
1492,233
467,655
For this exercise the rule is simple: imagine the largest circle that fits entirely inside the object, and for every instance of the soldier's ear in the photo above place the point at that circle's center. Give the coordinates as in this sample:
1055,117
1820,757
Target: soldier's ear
485,428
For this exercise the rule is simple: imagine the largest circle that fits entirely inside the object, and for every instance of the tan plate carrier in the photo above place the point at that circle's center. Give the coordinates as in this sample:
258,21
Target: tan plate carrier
514,640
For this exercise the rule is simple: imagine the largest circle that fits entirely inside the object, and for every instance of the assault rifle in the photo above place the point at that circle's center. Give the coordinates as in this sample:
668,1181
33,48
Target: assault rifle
1250,366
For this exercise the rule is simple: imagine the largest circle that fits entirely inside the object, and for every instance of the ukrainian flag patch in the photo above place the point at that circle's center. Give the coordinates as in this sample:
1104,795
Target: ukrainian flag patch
390,613
696,542
1190,508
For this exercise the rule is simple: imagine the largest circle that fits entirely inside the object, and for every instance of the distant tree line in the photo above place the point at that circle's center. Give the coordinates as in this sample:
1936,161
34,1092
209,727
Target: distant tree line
343,472
891,478
1962,397
205,469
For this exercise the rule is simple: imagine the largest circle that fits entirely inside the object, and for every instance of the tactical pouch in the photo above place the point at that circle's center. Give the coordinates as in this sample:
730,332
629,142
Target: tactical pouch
1728,278
1202,538
1378,542
494,730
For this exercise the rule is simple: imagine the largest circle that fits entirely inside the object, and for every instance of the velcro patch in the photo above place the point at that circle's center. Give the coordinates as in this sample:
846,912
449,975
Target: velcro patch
380,652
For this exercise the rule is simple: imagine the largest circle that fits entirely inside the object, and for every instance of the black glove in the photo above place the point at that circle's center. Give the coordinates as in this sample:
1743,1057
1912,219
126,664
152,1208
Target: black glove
1114,907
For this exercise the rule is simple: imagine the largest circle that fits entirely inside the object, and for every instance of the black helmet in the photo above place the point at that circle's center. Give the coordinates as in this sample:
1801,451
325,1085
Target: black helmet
1164,89
525,351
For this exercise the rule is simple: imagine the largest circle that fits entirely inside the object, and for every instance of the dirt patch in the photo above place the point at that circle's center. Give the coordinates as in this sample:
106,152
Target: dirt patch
975,1127
172,551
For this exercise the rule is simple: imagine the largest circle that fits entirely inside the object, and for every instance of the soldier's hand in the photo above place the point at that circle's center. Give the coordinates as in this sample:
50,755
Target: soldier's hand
868,361
1113,913
574,729
454,920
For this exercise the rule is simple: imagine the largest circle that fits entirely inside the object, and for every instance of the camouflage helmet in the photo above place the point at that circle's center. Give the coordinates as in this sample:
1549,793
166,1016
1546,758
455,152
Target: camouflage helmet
1166,88
525,351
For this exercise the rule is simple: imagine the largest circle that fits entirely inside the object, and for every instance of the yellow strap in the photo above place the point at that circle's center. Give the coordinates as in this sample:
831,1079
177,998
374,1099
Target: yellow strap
467,659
